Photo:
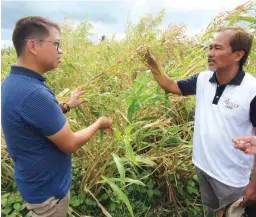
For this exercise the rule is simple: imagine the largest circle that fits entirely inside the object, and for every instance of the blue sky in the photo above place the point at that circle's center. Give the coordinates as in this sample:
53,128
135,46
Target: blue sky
110,17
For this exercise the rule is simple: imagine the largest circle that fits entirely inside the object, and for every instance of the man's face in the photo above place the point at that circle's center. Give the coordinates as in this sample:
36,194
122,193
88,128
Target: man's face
220,56
49,51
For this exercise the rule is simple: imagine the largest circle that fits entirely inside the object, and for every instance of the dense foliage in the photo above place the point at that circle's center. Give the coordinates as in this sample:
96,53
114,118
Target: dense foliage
143,167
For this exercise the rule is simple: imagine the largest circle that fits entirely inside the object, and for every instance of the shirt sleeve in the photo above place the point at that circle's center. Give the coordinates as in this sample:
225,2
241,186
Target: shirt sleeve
253,111
41,110
188,86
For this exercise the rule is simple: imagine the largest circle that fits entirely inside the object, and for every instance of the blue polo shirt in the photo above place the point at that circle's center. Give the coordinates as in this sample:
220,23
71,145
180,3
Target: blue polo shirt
30,113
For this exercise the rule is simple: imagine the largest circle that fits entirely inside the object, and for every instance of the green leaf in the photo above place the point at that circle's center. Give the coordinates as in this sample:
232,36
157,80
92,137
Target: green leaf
150,193
4,202
120,194
23,206
157,192
120,167
90,202
144,160
191,183
7,210
118,134
112,207
187,202
72,66
28,214
129,129
132,109
171,140
171,177
130,152
75,202
104,196
192,190
11,200
188,107
150,184
195,177
134,181
247,18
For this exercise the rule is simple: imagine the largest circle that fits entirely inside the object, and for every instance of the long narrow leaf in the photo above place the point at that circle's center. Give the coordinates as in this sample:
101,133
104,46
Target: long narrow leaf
146,161
120,168
130,153
127,180
120,194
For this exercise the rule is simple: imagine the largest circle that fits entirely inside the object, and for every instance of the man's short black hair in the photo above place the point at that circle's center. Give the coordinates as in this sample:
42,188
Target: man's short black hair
30,27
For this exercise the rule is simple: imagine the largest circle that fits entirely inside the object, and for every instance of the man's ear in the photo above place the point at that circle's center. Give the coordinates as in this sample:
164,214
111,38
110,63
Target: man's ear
31,47
238,55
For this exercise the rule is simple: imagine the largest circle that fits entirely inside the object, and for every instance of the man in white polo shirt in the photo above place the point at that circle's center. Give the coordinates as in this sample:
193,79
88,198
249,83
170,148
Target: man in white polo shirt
225,108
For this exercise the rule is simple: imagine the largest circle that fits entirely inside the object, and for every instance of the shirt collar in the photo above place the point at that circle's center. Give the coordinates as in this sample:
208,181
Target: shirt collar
25,71
237,80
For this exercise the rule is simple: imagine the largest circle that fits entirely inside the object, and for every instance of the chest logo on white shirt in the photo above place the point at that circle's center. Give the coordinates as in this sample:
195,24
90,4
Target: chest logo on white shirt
230,105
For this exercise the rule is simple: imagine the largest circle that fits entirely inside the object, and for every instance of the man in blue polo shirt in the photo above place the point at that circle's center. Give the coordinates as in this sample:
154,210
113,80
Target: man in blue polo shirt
37,134
225,108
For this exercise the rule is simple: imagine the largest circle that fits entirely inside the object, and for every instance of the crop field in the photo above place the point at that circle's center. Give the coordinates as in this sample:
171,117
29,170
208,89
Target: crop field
142,167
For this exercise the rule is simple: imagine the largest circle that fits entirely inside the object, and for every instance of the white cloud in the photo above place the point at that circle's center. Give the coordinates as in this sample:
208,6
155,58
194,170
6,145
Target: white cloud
120,36
109,30
6,31
6,43
74,23
216,5
141,7
137,9
193,31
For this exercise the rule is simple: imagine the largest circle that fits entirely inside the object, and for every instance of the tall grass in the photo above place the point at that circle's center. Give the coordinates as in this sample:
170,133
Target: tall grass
146,160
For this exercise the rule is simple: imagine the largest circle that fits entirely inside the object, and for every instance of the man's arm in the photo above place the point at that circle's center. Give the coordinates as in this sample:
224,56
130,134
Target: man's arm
254,171
183,87
73,101
70,142
247,144
253,120
250,190
41,111
64,107
166,83
254,166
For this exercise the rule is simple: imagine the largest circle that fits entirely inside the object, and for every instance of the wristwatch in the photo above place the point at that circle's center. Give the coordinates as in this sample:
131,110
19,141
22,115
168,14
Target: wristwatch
65,107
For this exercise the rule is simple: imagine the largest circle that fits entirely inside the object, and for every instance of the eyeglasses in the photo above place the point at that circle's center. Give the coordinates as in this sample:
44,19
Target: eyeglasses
55,43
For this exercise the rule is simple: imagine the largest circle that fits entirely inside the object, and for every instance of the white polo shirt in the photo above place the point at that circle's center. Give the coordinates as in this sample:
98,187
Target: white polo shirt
222,113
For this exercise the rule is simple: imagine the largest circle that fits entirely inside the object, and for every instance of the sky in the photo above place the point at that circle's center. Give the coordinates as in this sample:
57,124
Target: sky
111,17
